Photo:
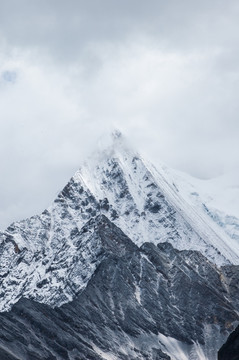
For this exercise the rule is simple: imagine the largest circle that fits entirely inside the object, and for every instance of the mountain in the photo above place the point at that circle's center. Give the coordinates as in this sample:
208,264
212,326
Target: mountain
152,302
230,350
126,261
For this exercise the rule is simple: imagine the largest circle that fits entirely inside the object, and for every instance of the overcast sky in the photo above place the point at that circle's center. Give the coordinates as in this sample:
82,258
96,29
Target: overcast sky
164,72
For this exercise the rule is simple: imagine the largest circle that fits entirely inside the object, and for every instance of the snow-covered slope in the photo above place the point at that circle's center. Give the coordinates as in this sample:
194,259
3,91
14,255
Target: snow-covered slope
47,257
149,206
217,197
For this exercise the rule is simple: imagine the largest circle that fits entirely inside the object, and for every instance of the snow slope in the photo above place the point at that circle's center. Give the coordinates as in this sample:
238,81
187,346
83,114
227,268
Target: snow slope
217,198
153,204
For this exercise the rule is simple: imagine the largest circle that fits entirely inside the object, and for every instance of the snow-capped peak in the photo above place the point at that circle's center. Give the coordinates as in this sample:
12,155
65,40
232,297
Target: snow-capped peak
148,206
145,203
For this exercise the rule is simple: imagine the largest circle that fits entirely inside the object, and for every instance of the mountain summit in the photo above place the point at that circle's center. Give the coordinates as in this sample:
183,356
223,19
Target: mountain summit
147,205
143,202
119,215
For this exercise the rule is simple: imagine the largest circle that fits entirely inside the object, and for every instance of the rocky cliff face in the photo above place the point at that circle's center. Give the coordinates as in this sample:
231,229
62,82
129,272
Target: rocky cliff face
123,263
148,302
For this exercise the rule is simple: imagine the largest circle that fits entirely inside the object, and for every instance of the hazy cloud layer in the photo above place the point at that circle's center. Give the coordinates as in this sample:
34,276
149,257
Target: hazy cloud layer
165,72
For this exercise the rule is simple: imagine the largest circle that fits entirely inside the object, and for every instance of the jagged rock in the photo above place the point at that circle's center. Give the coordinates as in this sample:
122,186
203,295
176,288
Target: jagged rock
138,303
120,266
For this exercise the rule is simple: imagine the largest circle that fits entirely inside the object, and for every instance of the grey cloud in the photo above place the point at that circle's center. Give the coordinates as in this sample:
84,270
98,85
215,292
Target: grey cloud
165,72
65,29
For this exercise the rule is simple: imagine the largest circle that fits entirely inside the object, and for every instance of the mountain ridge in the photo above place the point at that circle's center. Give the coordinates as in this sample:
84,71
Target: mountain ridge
142,202
152,302
126,262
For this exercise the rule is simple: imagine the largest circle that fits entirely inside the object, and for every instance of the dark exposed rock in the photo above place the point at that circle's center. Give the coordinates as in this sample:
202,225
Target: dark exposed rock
230,350
230,276
104,204
134,295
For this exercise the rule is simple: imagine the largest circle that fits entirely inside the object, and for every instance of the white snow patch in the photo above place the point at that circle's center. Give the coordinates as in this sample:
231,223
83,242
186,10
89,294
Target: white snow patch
138,294
181,351
104,355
